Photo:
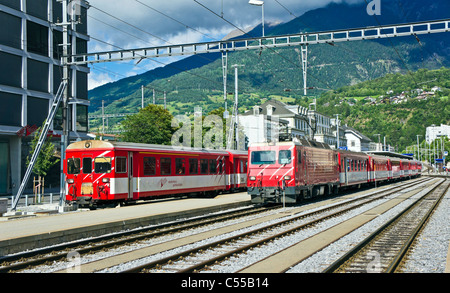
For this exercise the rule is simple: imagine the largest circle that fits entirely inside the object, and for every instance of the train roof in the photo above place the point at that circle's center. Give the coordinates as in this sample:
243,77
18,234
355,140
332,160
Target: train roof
296,141
391,154
99,144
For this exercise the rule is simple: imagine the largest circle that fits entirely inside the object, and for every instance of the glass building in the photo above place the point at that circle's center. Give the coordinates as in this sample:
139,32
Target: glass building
31,72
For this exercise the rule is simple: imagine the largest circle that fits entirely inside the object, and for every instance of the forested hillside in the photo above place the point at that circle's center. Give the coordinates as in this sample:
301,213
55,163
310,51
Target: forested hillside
396,106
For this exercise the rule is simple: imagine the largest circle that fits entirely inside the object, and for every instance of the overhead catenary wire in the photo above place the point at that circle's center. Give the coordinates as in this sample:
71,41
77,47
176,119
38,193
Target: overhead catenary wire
245,33
141,39
395,49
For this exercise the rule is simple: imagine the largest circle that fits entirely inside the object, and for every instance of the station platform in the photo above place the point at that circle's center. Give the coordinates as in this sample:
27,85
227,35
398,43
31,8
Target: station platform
45,229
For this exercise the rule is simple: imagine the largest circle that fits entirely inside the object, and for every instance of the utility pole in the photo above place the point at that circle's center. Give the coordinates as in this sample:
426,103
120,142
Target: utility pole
379,143
304,65
65,102
236,103
418,147
165,101
224,73
337,131
142,96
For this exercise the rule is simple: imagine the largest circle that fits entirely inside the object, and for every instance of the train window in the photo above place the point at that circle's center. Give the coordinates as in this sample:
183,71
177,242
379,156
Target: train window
149,166
284,157
299,157
220,166
203,166
263,157
193,166
121,165
179,166
212,166
73,166
102,165
166,168
87,165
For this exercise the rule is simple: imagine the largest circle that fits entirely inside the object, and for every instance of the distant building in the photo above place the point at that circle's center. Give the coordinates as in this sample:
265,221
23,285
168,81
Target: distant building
30,54
294,121
342,138
356,141
267,122
434,132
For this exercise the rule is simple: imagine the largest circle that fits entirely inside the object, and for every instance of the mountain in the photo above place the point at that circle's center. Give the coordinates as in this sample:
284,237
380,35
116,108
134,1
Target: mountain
393,106
197,80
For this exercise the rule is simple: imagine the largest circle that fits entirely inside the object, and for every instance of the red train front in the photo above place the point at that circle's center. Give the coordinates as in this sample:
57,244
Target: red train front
289,171
103,172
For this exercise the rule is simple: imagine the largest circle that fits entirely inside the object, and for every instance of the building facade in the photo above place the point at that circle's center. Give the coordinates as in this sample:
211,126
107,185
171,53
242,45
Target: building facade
273,120
434,132
356,141
30,58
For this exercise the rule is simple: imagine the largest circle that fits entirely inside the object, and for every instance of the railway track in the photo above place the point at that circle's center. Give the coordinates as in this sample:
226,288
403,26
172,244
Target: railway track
385,249
201,257
20,261
165,255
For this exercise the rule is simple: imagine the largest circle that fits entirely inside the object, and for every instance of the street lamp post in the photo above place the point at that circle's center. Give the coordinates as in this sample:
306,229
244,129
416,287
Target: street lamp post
259,3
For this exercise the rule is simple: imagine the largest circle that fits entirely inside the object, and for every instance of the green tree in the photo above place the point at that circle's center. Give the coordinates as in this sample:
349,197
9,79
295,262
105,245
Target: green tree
151,125
46,158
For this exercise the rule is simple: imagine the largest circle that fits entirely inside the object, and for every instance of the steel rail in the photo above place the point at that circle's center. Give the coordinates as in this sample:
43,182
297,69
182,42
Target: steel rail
95,244
171,258
335,266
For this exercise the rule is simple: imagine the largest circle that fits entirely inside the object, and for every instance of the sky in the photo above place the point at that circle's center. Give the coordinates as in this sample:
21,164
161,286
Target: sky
126,24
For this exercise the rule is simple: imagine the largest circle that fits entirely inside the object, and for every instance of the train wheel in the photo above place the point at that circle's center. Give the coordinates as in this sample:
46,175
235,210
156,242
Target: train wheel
306,194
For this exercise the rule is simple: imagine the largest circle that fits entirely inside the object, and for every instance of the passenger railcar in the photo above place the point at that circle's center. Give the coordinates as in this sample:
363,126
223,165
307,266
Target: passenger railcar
290,171
102,172
353,168
379,168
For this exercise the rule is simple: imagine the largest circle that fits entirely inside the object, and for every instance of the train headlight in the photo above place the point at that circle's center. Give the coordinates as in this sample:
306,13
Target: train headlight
253,178
287,177
105,180
70,181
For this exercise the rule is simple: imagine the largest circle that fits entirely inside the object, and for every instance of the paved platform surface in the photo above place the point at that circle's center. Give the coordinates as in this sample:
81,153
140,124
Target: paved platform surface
50,229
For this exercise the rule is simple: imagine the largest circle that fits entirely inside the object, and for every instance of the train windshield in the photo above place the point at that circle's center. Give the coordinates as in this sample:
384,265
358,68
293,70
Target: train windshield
102,165
263,157
73,166
284,157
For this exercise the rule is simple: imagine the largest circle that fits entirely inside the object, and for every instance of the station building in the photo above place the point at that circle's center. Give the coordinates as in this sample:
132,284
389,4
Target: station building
30,58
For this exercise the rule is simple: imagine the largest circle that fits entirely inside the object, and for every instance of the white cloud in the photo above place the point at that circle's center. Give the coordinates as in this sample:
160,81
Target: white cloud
98,78
130,24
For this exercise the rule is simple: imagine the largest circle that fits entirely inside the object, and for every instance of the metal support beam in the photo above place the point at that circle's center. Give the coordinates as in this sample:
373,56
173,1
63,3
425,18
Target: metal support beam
368,33
304,66
225,72
42,137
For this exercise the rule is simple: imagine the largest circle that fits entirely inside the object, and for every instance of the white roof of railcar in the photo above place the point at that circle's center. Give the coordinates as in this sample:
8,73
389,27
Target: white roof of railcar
99,144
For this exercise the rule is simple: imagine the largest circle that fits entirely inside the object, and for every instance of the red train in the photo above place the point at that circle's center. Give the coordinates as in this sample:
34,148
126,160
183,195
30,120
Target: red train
305,169
103,172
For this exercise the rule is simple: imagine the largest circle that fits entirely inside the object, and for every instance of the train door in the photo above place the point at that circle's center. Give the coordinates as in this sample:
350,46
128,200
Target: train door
347,169
130,175
305,167
299,172
235,174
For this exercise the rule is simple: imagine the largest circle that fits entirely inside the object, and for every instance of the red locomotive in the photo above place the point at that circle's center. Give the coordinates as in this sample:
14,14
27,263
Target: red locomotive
291,171
103,172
